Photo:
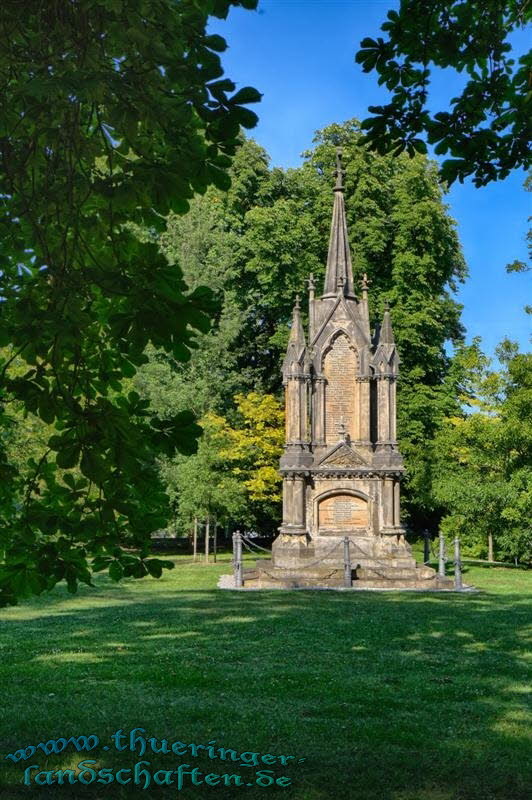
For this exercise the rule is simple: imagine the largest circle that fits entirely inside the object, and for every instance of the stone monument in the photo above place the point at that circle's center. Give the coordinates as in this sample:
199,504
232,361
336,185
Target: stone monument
341,466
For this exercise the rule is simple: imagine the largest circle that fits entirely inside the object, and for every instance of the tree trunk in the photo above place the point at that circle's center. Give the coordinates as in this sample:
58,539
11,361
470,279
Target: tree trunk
207,534
426,546
214,543
195,537
490,546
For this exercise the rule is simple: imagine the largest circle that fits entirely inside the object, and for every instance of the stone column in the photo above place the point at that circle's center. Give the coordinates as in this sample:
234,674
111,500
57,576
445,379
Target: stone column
355,416
292,410
298,499
393,410
363,384
294,516
318,411
386,413
383,412
296,452
296,410
397,504
388,505
291,543
303,414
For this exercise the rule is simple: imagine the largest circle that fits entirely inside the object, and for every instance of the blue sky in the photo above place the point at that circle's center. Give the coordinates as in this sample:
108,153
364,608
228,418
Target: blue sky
300,55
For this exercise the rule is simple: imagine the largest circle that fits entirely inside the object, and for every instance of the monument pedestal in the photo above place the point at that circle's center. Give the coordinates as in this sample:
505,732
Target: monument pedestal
384,562
291,549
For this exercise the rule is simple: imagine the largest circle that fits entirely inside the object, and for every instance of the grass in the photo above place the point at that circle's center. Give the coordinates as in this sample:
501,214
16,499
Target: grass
385,696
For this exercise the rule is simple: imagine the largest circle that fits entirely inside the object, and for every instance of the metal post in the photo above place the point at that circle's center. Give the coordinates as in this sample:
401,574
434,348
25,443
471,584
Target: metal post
347,564
237,560
441,560
426,547
457,565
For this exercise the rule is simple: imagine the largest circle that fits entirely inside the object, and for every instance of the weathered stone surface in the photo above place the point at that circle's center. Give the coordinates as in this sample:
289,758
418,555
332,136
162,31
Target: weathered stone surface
342,467
344,457
340,371
342,512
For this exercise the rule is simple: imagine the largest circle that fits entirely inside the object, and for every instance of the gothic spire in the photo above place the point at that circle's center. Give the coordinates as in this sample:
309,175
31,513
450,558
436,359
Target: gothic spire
385,360
296,350
339,275
297,334
386,332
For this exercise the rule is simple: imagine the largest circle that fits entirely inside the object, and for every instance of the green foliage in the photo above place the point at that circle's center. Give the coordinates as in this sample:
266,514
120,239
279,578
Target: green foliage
403,237
257,244
234,474
517,265
255,445
202,485
486,131
482,465
409,696
113,114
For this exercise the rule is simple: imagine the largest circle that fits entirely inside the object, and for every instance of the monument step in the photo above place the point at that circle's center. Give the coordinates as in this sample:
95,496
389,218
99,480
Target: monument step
295,582
397,573
314,572
419,583
336,581
383,562
377,576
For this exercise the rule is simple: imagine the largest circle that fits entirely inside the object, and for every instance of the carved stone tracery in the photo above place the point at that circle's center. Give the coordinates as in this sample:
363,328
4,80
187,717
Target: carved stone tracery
340,386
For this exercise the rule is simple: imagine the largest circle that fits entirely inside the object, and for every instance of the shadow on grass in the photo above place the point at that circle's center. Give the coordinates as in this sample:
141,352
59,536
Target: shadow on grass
396,697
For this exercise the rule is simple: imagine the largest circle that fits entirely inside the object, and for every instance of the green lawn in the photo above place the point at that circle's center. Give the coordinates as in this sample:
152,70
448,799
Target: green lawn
384,695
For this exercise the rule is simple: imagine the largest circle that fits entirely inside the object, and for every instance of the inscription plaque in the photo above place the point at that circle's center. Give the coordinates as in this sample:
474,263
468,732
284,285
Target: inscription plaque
342,511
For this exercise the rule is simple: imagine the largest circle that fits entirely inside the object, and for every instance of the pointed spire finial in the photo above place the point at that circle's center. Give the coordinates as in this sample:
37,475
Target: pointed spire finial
386,332
339,256
339,172
296,331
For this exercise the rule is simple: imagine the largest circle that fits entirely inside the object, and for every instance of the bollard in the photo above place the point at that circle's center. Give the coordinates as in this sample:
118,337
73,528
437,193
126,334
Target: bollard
426,546
237,559
441,559
347,564
457,565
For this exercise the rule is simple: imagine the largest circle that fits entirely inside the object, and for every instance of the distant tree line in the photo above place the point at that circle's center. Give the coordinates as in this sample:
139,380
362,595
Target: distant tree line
254,246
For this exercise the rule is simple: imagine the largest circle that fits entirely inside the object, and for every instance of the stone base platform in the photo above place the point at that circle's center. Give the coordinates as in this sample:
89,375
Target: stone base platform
377,562
267,576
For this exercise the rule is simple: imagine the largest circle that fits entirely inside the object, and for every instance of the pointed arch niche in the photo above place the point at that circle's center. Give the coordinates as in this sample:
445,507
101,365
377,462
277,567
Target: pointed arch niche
339,511
340,369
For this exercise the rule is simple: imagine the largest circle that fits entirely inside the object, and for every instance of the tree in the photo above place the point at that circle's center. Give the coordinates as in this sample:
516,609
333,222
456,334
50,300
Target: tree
234,475
202,485
255,444
522,266
482,472
260,241
487,129
113,114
